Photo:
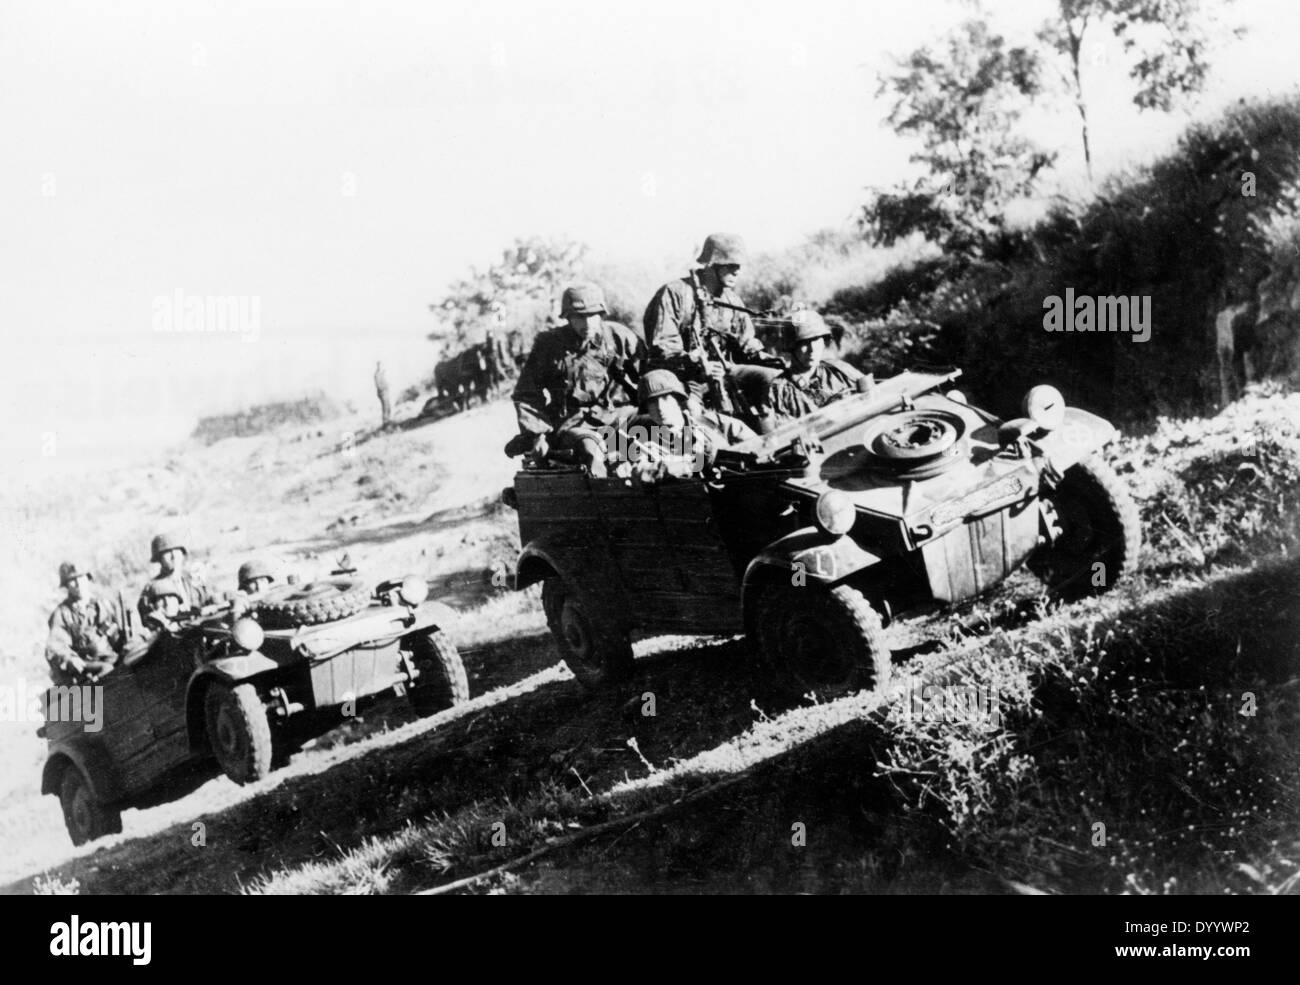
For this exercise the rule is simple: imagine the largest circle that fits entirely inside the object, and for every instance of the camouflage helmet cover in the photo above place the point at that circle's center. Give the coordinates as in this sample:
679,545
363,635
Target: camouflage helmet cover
582,299
254,568
163,543
721,248
804,325
658,382
72,569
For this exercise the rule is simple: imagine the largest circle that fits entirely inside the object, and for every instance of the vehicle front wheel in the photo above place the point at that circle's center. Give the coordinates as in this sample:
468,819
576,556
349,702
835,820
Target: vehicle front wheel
441,681
828,641
1098,533
598,652
86,818
239,732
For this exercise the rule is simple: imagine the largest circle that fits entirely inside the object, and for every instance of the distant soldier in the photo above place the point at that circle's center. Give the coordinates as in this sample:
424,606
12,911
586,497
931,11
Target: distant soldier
381,391
171,556
84,631
255,577
673,322
811,380
670,437
576,379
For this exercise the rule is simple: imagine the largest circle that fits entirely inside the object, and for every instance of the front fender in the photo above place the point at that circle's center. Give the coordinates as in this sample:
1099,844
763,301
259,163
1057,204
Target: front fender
818,557
233,669
96,766
432,614
1080,434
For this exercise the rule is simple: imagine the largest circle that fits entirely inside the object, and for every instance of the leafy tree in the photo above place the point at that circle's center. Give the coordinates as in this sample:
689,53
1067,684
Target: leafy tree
963,101
521,287
1167,42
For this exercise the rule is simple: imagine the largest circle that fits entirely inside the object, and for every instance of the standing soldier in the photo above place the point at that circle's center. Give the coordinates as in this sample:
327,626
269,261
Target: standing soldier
576,379
84,631
171,557
811,380
686,330
381,391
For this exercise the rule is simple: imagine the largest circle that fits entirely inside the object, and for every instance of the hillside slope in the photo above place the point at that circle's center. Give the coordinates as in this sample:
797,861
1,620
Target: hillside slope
1128,712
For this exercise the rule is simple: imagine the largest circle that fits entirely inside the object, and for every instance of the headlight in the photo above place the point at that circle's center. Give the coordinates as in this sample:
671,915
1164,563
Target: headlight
1045,406
957,396
247,634
413,590
835,513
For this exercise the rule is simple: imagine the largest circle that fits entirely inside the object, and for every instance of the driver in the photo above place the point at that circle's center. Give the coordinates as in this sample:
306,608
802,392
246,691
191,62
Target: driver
168,603
811,380
254,577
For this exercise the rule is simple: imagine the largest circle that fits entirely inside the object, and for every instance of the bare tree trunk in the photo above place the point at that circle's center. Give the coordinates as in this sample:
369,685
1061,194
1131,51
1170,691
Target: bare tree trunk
1076,47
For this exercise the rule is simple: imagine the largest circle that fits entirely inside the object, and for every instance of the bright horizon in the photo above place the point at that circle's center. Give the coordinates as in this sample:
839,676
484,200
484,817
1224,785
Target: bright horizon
341,163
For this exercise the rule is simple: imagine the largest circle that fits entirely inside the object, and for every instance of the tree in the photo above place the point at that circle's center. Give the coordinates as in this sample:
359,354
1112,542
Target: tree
1167,41
963,102
522,286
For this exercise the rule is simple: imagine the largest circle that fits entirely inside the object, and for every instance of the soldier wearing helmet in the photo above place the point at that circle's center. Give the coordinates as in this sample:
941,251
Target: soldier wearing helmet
672,319
673,436
579,377
171,555
811,380
254,577
84,631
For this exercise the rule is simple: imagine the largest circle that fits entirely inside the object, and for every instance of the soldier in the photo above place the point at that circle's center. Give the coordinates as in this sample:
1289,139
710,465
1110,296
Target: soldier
254,577
669,436
672,322
576,379
171,556
381,391
811,380
168,602
84,631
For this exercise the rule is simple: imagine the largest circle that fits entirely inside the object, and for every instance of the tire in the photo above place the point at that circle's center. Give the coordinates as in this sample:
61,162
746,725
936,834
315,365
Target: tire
441,682
239,732
85,817
1099,525
829,641
326,600
598,652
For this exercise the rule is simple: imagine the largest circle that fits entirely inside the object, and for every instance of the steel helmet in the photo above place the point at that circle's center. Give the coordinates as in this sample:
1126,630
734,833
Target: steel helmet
582,299
723,248
71,569
804,325
163,543
656,383
256,568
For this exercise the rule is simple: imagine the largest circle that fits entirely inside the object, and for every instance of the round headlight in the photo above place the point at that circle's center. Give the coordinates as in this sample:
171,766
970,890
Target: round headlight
1045,406
413,590
247,634
957,396
835,513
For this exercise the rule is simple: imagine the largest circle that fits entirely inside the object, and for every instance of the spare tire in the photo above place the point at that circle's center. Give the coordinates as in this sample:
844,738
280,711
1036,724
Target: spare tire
326,600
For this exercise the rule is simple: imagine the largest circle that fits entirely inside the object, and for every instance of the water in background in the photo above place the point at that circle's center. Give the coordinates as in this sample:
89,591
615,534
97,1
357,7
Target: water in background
72,407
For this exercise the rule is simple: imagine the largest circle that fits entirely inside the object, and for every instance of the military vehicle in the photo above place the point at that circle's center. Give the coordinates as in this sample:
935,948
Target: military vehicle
812,538
238,688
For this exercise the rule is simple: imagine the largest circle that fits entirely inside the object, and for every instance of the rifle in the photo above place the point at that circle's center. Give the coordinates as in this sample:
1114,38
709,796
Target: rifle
697,335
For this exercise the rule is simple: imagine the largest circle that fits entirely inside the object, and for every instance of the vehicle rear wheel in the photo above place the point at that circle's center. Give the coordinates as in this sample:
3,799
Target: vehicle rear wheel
441,681
1099,533
829,641
86,818
239,732
598,652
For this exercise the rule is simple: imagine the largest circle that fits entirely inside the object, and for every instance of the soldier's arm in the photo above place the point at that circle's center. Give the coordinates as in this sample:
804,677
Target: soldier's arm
663,333
529,397
60,649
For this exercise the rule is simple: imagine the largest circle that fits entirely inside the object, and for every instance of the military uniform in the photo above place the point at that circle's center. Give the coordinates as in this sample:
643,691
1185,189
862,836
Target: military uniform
792,394
194,593
85,630
670,319
576,382
688,450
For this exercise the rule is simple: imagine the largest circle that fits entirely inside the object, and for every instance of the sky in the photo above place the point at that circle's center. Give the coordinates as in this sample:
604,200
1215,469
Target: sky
334,165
